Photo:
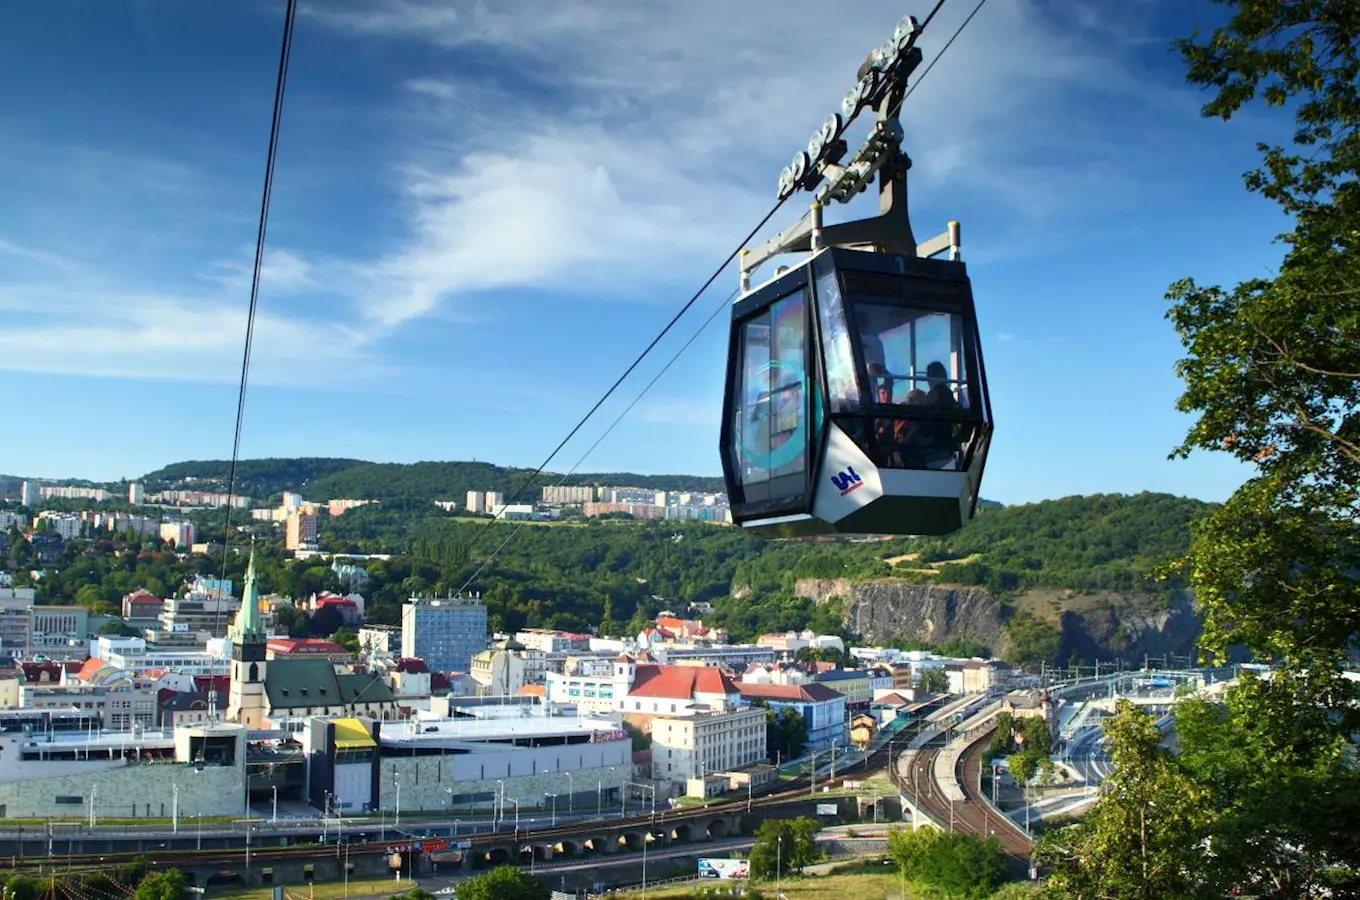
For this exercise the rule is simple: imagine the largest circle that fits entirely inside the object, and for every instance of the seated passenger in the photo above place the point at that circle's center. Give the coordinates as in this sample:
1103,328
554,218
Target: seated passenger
940,394
941,436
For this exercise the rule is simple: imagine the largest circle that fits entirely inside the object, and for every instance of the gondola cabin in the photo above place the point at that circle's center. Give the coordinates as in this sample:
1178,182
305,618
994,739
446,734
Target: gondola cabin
856,400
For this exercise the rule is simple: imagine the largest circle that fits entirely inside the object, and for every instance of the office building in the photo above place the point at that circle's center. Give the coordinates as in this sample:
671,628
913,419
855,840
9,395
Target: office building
446,632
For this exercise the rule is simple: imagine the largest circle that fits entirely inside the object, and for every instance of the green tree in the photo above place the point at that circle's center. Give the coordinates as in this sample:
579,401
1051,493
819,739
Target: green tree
346,638
784,846
167,884
1272,374
504,883
1144,839
1280,783
1032,640
22,887
959,865
933,681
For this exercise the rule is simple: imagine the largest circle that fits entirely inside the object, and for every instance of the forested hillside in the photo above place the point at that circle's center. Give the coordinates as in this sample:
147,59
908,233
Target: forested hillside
616,574
322,479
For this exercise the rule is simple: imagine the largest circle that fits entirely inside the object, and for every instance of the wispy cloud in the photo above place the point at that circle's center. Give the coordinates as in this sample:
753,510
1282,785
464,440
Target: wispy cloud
622,141
42,257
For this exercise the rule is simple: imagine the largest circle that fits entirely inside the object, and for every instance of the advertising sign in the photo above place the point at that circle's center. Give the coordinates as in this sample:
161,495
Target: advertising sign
724,868
826,809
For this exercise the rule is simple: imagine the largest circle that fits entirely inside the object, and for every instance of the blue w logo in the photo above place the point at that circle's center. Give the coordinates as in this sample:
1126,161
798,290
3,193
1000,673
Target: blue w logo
847,480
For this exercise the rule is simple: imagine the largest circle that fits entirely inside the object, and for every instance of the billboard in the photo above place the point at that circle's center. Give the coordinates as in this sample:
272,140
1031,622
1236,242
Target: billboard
826,809
724,868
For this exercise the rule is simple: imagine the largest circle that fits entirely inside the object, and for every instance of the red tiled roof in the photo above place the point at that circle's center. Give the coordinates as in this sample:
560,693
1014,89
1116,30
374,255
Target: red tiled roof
531,690
412,664
90,668
681,682
893,700
205,683
814,692
670,622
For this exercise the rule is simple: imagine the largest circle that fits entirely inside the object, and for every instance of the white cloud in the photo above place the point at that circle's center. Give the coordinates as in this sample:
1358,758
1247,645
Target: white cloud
630,142
77,330
42,257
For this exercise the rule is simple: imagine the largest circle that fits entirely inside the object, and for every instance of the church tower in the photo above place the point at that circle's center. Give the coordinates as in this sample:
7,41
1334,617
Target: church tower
246,700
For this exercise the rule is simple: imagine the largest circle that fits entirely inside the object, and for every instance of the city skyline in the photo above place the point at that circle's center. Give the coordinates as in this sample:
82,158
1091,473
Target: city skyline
478,222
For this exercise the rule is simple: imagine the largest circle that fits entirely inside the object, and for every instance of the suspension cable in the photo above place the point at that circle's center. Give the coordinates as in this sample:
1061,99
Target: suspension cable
281,80
492,556
726,301
524,485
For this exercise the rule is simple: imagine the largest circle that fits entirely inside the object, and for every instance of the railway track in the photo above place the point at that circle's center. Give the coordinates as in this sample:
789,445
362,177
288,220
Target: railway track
971,815
799,789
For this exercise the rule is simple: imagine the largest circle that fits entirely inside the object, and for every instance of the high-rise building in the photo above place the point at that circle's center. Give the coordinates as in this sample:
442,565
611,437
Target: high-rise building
563,494
301,532
29,494
136,494
446,632
476,502
181,534
16,618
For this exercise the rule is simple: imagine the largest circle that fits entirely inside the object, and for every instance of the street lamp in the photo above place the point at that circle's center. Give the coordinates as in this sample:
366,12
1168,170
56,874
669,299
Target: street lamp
174,809
494,822
397,781
571,789
553,822
274,818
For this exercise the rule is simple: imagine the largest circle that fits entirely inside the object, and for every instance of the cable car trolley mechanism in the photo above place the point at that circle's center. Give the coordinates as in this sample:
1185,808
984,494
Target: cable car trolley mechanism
856,399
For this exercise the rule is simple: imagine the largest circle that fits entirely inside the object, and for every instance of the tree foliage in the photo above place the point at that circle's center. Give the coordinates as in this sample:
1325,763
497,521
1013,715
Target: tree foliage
933,681
784,847
1144,838
166,884
1272,377
961,865
504,883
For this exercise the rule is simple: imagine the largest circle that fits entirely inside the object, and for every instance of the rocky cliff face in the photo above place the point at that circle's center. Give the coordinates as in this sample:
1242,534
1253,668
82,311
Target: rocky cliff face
1093,626
883,609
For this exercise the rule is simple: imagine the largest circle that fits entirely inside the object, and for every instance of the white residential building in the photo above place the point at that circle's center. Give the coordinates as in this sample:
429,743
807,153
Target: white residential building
685,747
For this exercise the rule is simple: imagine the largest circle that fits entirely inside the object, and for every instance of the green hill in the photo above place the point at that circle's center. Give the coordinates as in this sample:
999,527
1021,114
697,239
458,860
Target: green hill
320,478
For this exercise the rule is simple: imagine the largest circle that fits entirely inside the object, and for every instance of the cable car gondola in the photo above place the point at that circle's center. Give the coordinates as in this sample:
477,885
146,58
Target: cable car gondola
856,399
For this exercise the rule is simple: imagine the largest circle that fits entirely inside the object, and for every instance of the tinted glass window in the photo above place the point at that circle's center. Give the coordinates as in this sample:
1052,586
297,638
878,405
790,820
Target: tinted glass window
915,371
912,356
842,391
771,427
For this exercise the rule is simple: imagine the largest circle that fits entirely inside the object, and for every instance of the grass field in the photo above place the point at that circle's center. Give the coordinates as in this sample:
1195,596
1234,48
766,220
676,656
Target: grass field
321,890
830,887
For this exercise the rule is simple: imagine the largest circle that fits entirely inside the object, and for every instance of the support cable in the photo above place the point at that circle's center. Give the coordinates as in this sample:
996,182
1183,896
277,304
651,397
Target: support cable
683,310
281,80
726,302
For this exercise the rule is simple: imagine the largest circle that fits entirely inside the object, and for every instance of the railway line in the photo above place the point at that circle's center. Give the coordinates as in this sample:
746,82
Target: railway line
972,815
309,845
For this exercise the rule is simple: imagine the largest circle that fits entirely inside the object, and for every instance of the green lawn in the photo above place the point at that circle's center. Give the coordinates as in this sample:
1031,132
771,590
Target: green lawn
320,890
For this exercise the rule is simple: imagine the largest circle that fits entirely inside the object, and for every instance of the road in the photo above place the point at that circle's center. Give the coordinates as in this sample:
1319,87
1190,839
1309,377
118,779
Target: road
1085,753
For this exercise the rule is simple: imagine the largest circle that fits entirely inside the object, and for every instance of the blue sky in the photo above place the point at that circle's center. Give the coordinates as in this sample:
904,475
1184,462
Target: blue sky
482,211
